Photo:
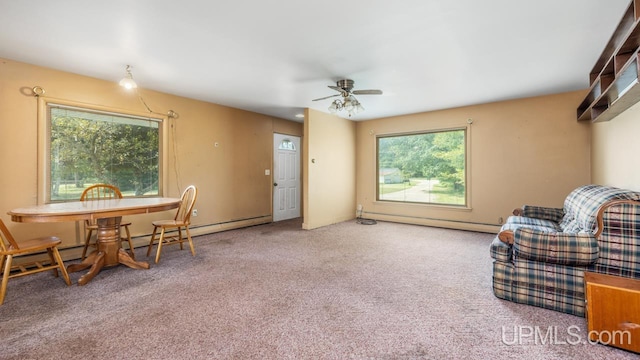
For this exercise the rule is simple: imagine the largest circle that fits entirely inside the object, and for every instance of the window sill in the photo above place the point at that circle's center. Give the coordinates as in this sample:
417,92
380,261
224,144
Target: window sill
465,208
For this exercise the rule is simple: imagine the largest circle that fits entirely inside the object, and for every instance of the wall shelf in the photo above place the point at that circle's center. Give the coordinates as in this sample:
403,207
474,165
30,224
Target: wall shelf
614,78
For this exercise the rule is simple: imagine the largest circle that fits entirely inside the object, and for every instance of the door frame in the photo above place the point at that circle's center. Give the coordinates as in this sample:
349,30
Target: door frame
282,136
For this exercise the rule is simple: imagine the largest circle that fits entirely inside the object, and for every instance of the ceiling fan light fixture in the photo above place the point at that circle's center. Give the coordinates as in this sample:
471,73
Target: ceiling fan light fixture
348,103
335,106
127,81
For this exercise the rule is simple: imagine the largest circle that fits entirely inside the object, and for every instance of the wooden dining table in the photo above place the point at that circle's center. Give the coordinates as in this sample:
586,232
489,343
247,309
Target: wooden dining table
107,213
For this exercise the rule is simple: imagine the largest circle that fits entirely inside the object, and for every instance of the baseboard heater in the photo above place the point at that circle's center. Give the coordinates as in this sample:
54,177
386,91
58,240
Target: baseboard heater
422,220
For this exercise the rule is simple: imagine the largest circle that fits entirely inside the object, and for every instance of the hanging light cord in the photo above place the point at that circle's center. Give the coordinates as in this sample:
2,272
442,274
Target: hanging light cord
171,114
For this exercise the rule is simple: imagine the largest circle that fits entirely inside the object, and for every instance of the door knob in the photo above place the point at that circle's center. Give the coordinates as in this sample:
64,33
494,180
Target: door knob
275,184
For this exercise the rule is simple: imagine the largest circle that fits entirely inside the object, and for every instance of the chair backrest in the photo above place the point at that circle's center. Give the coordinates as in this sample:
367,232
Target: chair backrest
6,235
189,196
101,191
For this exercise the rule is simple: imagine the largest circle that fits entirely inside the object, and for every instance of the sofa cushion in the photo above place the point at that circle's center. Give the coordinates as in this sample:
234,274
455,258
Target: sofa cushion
540,212
514,221
513,227
557,248
569,224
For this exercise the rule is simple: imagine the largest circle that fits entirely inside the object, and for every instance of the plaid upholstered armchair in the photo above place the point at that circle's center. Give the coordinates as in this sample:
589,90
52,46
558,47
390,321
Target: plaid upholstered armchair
541,254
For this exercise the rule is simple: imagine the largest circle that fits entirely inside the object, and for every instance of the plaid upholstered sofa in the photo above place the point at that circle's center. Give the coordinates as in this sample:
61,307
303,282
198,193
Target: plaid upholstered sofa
541,254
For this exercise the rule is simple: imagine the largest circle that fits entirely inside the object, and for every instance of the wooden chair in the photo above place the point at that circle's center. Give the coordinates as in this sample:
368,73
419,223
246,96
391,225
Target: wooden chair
97,192
181,220
7,253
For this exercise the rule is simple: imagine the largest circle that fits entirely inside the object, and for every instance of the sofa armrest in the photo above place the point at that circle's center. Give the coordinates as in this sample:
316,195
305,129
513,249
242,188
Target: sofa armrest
540,212
500,251
506,236
555,247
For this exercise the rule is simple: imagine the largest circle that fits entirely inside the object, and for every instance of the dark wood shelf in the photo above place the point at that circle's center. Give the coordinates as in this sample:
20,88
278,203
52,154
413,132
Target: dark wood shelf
614,80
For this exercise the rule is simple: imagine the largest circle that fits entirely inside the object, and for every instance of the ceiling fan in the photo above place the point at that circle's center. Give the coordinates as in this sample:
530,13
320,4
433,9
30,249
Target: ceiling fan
349,102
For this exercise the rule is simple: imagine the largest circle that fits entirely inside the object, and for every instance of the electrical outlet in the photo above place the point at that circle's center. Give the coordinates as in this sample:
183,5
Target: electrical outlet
194,212
359,207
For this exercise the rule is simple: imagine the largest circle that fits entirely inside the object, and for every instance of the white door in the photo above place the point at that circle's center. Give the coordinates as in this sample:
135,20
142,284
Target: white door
286,177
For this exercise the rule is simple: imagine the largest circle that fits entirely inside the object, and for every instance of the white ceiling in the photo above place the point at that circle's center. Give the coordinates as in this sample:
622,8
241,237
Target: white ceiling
274,57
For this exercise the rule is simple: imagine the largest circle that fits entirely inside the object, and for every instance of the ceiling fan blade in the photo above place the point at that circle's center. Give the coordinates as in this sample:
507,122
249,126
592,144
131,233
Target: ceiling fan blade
326,97
338,89
367,92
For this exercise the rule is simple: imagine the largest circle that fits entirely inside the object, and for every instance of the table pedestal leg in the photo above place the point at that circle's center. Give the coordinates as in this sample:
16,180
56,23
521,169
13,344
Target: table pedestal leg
109,252
125,259
95,269
87,262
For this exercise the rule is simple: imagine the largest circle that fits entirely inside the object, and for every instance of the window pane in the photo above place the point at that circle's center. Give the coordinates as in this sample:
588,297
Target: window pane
87,147
287,144
423,168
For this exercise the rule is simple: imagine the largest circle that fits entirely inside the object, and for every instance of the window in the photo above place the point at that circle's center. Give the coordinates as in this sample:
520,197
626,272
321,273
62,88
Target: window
87,147
423,168
287,144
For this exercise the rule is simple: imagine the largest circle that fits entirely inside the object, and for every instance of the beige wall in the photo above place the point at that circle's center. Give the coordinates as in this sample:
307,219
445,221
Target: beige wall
527,151
522,151
615,150
329,169
233,188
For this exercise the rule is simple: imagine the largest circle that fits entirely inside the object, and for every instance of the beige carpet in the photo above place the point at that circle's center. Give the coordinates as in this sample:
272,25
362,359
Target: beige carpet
346,291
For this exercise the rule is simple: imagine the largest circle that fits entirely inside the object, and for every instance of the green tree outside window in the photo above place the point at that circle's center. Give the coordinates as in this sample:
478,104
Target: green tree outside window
87,147
423,168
